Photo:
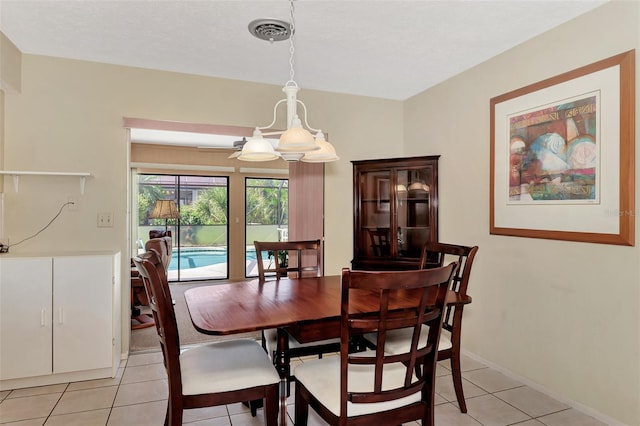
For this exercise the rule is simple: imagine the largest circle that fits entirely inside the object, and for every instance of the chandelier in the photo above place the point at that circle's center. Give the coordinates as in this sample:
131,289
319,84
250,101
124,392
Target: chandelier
297,143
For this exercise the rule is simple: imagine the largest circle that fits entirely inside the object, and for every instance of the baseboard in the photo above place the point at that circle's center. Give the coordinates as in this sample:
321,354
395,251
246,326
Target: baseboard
53,379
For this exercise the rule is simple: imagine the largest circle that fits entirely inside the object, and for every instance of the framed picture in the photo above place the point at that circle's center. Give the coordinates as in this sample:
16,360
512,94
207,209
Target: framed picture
383,195
562,156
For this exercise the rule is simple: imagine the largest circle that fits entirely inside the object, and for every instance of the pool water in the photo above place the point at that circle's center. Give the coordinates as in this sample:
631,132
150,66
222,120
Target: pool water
196,257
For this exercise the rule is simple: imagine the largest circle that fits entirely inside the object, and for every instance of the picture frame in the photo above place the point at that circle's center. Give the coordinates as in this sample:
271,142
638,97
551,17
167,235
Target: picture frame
562,156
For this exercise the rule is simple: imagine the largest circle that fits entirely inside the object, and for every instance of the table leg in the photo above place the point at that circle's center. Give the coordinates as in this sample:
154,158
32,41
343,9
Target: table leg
282,421
283,368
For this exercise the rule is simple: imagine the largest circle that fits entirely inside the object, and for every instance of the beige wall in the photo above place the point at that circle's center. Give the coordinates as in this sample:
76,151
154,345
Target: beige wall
10,80
69,118
563,315
10,65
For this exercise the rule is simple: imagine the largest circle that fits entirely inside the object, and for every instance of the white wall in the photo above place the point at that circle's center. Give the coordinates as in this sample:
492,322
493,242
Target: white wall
564,315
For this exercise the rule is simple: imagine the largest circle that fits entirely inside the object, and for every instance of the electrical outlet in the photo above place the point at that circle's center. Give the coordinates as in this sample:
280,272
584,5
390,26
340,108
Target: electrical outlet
105,220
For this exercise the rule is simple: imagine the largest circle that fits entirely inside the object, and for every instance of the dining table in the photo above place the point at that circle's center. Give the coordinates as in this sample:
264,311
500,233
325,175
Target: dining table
308,308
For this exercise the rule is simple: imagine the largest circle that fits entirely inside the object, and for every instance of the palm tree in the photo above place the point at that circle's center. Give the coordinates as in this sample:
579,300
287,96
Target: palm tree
211,207
267,201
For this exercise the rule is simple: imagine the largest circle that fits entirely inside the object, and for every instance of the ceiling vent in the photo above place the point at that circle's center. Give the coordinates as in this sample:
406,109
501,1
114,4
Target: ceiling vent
270,29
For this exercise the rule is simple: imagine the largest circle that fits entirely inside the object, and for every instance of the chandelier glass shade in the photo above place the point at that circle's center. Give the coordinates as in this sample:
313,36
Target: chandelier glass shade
297,142
257,149
325,154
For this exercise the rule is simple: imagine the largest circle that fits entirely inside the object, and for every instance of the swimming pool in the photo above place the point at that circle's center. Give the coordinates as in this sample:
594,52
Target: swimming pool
197,257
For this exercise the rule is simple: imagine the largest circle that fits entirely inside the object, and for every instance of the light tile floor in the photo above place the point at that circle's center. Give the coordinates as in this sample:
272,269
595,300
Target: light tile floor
137,396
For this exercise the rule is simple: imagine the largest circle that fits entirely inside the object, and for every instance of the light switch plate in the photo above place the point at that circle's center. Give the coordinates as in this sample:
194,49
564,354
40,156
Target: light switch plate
105,220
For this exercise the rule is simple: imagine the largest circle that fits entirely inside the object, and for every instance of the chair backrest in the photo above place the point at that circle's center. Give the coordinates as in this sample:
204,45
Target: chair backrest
163,247
159,233
435,254
156,285
422,294
304,258
380,243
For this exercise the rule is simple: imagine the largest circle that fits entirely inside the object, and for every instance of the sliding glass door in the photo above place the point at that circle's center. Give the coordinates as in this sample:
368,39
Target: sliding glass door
200,233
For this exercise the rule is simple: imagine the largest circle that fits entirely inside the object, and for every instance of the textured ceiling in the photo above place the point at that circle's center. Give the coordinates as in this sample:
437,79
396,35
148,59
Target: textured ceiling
391,49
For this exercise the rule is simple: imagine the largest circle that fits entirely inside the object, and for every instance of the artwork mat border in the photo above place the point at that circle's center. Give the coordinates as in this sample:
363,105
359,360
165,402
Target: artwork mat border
615,220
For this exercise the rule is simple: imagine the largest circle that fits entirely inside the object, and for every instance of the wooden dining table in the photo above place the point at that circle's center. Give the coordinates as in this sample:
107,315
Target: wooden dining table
308,308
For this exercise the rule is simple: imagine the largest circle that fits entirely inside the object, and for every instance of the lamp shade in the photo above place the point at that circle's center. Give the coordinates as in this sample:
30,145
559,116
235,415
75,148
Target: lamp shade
419,186
325,154
165,209
257,149
296,139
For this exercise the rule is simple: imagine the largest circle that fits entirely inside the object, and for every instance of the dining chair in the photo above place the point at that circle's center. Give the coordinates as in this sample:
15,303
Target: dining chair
208,375
373,387
435,254
162,246
380,244
304,258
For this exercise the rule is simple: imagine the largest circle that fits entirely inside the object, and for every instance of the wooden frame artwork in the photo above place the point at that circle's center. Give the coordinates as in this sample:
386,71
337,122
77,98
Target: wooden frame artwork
562,163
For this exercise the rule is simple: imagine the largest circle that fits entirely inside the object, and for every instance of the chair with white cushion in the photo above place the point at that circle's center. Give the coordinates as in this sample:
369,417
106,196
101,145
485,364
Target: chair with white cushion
435,254
208,375
373,387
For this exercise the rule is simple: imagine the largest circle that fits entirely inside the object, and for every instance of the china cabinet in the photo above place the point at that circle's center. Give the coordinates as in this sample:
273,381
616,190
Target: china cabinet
395,211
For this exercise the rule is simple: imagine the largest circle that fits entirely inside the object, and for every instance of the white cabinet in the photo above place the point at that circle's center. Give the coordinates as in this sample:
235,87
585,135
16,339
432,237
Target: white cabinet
57,319
25,317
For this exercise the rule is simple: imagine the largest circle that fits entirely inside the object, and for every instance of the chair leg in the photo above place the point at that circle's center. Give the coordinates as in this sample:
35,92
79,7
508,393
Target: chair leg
429,419
301,407
254,405
174,413
271,402
456,373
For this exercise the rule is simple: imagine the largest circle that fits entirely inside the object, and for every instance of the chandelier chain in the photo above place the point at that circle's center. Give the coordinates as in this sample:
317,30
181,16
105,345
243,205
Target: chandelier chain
292,27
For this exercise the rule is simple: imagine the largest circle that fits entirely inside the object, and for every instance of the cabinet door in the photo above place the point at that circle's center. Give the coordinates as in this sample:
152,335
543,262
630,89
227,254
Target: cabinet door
82,313
414,210
374,237
25,317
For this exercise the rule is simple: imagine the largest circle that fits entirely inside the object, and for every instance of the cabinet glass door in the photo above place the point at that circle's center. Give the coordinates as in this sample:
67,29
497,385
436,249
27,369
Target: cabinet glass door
375,210
413,210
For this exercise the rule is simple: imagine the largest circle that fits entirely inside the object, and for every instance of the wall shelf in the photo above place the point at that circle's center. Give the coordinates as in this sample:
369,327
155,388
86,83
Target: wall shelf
16,175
